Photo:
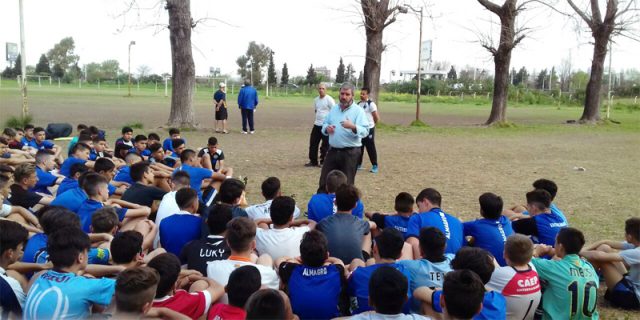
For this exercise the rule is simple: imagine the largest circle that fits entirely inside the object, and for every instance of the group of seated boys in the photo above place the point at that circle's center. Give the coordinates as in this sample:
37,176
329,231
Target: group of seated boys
158,230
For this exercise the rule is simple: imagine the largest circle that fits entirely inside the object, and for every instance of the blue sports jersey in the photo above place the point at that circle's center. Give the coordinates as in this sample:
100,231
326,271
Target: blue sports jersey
448,224
167,144
397,222
65,169
26,141
45,179
494,305
33,246
490,235
178,230
556,210
197,175
94,256
56,295
144,153
66,185
72,199
315,292
44,145
548,224
90,206
322,205
425,273
112,189
93,155
124,175
359,285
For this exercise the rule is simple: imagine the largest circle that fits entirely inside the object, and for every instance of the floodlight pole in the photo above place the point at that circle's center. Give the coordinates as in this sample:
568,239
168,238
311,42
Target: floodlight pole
130,44
419,75
23,65
609,91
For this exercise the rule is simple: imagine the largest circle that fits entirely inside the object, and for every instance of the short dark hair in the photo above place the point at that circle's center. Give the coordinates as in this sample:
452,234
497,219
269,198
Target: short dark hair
9,132
490,206
185,197
430,194
79,147
168,266
463,293
404,202
265,304
176,143
632,227
218,218
104,220
181,177
365,89
347,197
212,141
518,249
85,136
135,287
390,243
77,168
155,147
140,137
335,178
548,185
281,210
571,240
94,130
186,155
28,126
92,183
137,171
125,246
243,282
240,232
79,127
38,129
173,131
126,130
477,260
103,165
43,154
97,139
131,155
539,198
153,136
270,187
53,218
230,190
11,235
433,243
65,244
313,248
388,290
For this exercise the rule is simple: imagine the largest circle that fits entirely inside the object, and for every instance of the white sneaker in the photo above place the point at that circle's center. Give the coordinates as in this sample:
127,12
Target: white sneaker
252,132
244,132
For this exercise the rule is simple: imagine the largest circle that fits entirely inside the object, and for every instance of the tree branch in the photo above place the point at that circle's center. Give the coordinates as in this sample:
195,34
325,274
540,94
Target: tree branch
582,15
491,6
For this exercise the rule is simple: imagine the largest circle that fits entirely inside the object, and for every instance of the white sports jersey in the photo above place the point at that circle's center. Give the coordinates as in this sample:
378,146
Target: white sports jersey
520,288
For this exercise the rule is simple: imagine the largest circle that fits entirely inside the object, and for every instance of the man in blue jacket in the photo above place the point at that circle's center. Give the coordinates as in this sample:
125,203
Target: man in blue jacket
247,101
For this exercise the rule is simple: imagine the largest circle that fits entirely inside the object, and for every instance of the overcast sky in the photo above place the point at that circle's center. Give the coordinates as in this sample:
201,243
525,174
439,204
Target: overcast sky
300,32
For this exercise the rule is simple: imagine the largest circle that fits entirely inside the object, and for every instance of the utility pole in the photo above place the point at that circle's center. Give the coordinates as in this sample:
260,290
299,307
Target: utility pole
418,73
23,62
609,91
130,44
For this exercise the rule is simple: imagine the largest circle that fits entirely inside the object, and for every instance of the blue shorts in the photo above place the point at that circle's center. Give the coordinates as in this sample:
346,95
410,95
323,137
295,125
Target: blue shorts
623,295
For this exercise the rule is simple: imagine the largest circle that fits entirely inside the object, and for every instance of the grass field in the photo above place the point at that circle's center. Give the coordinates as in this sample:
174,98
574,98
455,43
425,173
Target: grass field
455,154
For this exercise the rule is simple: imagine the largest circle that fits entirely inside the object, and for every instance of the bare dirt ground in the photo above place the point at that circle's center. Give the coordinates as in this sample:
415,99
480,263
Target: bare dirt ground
457,157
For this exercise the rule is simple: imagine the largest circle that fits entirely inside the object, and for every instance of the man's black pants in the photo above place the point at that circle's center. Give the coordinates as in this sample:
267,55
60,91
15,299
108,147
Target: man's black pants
343,159
247,116
314,140
369,142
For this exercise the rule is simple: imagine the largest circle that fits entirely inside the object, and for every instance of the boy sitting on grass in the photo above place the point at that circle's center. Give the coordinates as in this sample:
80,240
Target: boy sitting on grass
271,188
490,232
41,143
26,178
127,134
79,154
400,219
212,158
542,225
47,181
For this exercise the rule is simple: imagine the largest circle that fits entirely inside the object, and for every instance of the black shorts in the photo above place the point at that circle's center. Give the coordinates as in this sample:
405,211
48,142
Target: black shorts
221,114
623,295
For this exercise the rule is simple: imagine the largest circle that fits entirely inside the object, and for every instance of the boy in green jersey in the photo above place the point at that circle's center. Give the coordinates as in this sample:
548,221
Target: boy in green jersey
570,284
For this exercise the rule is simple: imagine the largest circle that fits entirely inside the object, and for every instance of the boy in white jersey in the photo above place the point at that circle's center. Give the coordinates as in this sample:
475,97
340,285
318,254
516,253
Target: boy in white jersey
518,281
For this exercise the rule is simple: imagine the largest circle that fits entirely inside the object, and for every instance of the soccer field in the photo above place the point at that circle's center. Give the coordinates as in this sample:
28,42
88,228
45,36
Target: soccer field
455,154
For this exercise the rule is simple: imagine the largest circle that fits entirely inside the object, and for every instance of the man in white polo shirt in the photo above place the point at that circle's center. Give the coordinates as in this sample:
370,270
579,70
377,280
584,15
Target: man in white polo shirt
322,104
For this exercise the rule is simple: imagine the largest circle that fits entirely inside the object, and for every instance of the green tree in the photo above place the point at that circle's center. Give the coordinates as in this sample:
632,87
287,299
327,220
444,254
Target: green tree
350,74
110,69
94,72
311,76
271,72
17,66
43,66
257,57
62,53
8,73
542,80
284,78
340,74
58,72
452,75
522,77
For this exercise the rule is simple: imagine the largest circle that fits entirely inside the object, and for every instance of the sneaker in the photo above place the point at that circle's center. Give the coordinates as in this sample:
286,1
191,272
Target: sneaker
244,132
359,167
252,132
374,169
310,164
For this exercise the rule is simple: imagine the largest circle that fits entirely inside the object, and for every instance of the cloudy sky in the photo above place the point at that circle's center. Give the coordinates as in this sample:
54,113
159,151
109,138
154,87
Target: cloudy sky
300,32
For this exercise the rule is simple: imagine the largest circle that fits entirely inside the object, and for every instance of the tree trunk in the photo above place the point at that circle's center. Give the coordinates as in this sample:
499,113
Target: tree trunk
372,63
182,66
591,112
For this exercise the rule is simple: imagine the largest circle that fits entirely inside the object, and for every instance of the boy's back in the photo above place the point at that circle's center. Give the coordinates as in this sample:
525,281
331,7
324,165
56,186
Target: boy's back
448,224
490,235
521,289
571,288
359,284
315,292
425,273
344,233
178,230
322,205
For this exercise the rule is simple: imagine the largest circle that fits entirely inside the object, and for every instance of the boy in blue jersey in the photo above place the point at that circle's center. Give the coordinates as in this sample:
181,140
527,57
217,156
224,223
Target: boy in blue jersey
106,168
480,261
140,146
491,232
73,198
621,269
542,225
570,285
124,173
41,143
400,220
127,134
200,177
184,226
519,212
98,196
387,248
431,215
316,283
71,182
435,263
79,154
61,293
167,144
232,193
322,205
47,181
